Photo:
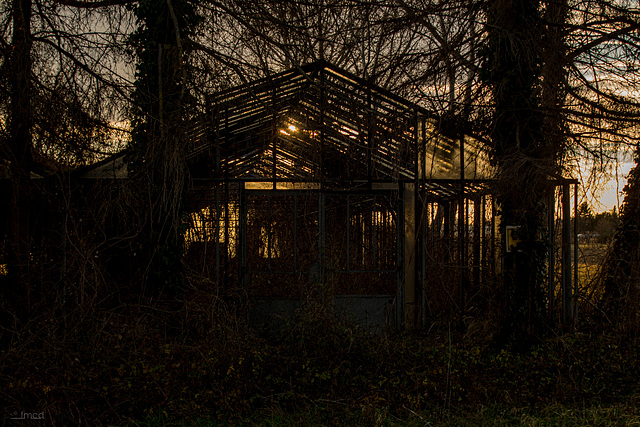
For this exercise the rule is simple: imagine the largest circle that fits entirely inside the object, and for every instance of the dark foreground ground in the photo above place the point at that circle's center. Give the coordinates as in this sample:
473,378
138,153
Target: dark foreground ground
198,364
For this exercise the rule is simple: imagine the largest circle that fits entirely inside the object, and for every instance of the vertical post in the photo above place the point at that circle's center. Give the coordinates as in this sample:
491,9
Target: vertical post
423,151
551,268
417,237
478,207
221,158
274,137
269,241
418,211
374,232
462,230
462,247
217,234
483,235
321,128
370,137
416,149
213,135
242,265
398,309
447,208
225,269
492,249
567,297
409,254
348,267
575,251
423,259
295,232
321,236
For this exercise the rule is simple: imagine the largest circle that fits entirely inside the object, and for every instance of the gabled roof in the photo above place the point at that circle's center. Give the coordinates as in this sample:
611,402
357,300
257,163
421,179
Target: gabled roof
314,122
317,123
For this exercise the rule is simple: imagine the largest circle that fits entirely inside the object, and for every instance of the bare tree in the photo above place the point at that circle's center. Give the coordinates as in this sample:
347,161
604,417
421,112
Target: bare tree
56,61
17,153
374,40
597,113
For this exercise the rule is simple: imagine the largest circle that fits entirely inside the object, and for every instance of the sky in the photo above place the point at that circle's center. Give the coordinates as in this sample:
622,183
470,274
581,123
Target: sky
612,189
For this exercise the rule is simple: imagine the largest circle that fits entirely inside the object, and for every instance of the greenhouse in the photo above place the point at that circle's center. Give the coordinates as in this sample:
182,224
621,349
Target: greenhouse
314,183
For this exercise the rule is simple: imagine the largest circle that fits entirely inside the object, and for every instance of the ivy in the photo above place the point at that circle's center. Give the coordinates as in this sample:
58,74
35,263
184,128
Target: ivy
158,147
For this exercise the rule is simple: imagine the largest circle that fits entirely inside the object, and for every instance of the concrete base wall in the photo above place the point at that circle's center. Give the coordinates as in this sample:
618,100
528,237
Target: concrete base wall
374,313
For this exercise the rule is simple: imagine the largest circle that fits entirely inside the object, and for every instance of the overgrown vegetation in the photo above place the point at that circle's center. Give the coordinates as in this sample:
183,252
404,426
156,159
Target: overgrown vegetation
620,273
596,228
100,321
163,362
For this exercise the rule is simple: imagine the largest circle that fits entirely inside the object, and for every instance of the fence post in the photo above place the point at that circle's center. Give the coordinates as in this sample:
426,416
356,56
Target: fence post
567,288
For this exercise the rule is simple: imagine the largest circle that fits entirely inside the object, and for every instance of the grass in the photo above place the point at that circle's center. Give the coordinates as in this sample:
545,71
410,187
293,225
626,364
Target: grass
151,365
326,414
335,376
590,258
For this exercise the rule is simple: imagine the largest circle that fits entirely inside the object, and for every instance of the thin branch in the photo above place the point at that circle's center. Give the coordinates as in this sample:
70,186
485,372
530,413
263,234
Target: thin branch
605,38
94,4
85,68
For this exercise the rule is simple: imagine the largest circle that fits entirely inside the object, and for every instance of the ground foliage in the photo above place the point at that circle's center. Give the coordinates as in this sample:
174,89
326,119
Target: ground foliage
161,362
621,268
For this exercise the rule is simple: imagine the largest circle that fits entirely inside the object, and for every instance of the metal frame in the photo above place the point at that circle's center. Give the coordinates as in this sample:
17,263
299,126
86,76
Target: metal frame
319,131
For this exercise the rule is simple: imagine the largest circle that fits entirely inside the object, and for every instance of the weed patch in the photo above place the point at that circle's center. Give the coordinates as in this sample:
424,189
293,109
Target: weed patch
136,365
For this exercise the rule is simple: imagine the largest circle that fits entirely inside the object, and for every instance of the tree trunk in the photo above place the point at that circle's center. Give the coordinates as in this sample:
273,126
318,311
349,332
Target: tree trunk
512,68
159,136
554,73
18,153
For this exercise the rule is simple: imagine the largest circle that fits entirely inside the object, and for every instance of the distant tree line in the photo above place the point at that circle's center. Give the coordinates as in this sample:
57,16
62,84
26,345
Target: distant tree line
596,228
